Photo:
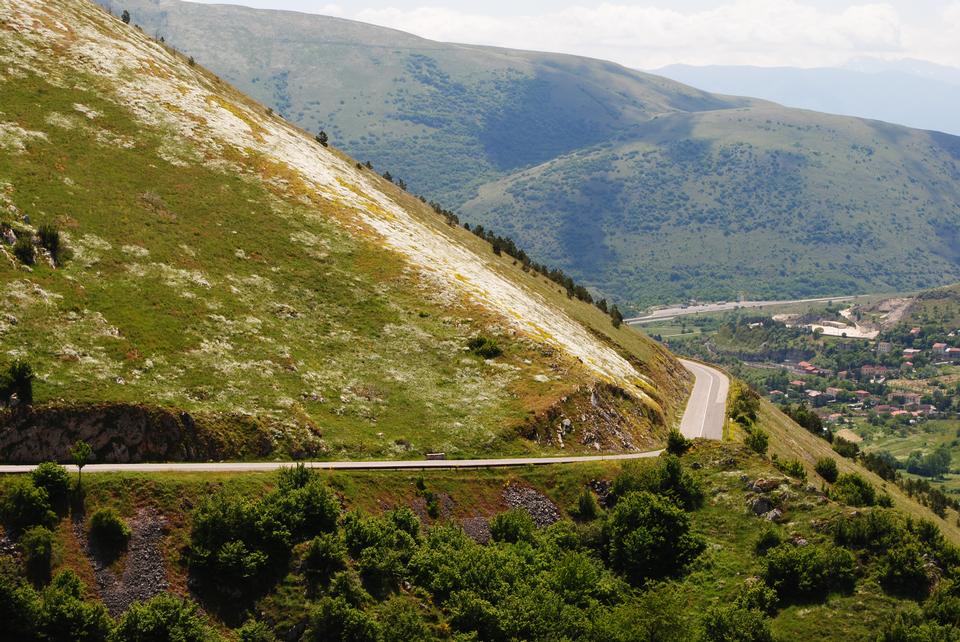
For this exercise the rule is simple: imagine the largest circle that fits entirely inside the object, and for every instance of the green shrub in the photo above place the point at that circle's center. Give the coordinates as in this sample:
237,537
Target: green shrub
37,545
19,603
484,347
768,538
54,479
403,621
677,444
50,240
513,526
730,623
66,615
853,490
108,531
793,468
756,595
809,572
334,619
649,537
164,617
757,440
826,467
667,478
255,631
24,505
325,555
846,448
24,251
587,506
902,569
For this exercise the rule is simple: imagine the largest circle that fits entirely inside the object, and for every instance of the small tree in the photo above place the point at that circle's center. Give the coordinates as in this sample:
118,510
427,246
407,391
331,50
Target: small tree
81,454
21,382
125,16
757,440
616,317
24,250
322,138
826,467
677,444
50,240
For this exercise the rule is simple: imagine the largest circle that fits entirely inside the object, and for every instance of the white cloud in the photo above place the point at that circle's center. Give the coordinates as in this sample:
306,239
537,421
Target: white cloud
757,32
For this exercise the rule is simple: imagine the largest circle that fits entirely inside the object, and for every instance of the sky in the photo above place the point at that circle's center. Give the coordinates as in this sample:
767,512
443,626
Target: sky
648,34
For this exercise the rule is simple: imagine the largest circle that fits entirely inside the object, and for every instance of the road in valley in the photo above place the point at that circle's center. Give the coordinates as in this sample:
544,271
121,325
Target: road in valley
703,417
666,314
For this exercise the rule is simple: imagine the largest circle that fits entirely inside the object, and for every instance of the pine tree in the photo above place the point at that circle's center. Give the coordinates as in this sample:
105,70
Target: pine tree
615,316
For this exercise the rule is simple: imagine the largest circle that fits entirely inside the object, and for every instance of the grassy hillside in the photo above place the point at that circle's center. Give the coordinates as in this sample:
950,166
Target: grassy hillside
677,608
645,189
220,262
765,202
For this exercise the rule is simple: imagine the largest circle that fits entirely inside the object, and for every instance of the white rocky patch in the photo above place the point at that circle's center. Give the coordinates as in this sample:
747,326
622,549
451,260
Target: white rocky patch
92,114
135,250
15,138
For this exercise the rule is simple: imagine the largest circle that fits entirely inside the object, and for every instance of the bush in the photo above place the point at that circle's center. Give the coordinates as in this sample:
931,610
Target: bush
853,490
108,531
768,538
403,621
826,467
846,448
735,624
756,595
325,555
667,478
902,570
24,251
37,546
164,617
513,526
334,619
54,479
587,506
255,631
50,240
24,505
677,444
757,440
809,572
484,347
66,615
793,468
649,537
19,603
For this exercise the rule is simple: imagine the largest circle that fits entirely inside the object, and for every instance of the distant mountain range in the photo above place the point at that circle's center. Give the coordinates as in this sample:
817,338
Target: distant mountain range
643,188
908,93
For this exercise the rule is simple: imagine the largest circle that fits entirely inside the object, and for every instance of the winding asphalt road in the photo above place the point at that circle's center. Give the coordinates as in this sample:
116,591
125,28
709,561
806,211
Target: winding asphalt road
703,417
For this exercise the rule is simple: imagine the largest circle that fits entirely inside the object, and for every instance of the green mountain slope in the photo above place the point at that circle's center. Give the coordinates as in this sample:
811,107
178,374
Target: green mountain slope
765,202
643,188
238,286
446,118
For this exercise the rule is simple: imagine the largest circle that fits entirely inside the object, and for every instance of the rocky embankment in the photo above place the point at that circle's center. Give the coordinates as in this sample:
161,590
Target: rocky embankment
128,433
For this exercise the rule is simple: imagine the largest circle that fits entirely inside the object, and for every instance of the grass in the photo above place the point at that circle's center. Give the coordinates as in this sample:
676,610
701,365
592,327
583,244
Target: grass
220,287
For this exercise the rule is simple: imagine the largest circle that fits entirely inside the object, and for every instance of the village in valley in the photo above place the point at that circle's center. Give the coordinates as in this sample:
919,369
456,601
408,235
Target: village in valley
881,374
